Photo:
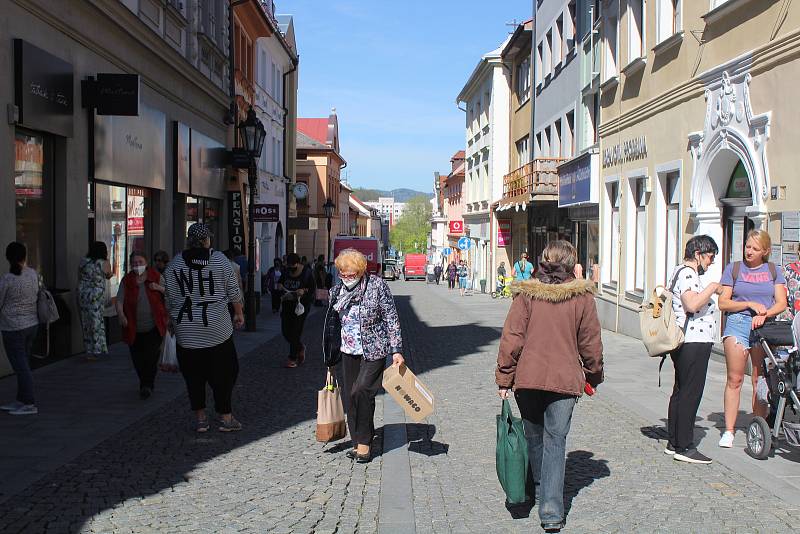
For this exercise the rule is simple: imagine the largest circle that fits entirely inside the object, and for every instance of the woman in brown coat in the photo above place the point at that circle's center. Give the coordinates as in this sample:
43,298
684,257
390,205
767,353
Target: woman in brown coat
549,350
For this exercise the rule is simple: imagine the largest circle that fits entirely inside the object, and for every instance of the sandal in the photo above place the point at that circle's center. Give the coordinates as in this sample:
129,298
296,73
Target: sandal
230,426
201,425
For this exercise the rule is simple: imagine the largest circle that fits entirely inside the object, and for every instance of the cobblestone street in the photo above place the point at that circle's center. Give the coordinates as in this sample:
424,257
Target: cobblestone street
158,476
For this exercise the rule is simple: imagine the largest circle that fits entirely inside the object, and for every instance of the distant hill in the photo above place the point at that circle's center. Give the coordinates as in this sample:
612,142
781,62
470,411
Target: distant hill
400,195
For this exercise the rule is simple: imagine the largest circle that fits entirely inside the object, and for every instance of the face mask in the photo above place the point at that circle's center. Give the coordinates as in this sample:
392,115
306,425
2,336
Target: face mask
350,284
139,269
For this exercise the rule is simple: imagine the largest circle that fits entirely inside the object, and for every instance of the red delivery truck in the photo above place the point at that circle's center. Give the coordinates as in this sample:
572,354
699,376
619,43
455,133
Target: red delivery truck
370,247
415,266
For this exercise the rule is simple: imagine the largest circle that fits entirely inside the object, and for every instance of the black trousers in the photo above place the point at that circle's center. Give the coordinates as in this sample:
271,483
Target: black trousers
217,366
451,283
292,328
362,380
275,300
145,351
691,366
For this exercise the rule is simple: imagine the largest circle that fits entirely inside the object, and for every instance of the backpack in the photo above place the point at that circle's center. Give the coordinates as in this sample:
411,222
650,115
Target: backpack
660,333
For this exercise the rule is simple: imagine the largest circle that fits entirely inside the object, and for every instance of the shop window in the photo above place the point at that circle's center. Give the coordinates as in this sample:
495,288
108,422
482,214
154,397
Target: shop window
34,200
635,29
669,18
613,251
640,225
672,197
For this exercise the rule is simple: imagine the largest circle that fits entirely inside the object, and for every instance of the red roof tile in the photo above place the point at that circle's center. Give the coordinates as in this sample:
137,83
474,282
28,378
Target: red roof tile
314,128
459,155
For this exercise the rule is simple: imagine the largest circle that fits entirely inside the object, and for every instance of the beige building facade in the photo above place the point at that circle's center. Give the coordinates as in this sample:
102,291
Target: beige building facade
696,137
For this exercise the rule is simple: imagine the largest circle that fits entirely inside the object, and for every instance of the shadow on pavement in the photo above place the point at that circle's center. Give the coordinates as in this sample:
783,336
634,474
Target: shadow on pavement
660,433
581,471
160,451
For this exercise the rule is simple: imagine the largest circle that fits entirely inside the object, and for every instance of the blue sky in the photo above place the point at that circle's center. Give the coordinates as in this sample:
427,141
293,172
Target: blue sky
393,71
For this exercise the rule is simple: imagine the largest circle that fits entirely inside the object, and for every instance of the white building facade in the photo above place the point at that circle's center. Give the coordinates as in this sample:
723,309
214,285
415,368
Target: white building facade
389,210
272,61
486,100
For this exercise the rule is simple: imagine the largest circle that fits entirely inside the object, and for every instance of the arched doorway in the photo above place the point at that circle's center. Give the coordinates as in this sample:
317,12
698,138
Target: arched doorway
279,247
730,177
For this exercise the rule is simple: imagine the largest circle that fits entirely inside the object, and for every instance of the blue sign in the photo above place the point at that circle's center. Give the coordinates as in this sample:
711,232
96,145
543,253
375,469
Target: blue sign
575,182
464,243
447,251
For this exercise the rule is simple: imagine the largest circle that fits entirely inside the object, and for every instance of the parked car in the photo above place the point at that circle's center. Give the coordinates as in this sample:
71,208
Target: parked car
415,266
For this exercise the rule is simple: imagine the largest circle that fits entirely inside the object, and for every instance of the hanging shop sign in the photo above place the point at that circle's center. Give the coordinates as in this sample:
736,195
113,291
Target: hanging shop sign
131,150
265,213
577,183
235,221
456,227
117,94
630,150
43,89
503,233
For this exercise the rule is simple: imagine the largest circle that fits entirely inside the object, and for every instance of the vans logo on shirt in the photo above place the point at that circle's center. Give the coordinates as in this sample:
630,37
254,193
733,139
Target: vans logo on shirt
756,278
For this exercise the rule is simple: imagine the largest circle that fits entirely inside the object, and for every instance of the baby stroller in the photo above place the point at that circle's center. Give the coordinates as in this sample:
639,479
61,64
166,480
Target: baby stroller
781,368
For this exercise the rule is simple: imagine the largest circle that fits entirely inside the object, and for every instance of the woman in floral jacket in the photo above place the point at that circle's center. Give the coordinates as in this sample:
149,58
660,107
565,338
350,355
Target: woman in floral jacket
370,332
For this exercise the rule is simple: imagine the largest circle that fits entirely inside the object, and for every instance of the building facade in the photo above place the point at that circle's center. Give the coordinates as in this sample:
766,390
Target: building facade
485,97
389,210
454,206
275,59
132,169
318,167
694,139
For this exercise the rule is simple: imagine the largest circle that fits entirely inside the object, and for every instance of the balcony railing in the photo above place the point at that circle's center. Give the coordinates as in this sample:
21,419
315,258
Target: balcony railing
539,177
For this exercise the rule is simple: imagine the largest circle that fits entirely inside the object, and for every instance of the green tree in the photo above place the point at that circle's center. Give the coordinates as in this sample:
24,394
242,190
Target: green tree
410,233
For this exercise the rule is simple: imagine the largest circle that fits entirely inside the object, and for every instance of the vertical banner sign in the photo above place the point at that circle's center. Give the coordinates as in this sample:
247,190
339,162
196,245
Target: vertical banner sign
503,233
235,222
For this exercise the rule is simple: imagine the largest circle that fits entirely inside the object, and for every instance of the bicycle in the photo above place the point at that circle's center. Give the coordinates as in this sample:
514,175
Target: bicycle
503,287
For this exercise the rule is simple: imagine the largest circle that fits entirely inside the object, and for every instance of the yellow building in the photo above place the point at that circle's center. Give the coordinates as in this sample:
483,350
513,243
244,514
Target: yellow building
697,137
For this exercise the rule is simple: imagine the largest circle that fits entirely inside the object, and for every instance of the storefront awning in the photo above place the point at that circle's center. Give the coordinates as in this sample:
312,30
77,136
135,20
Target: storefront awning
517,202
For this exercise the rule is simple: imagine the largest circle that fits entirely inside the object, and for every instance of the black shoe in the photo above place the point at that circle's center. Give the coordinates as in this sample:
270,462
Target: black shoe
692,456
553,527
669,449
145,392
364,458
351,454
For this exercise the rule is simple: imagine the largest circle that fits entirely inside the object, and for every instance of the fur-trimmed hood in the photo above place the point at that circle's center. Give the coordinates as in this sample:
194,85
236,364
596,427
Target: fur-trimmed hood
553,292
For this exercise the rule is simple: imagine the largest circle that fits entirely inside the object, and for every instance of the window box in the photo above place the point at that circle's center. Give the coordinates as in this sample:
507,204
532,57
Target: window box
610,83
669,42
634,66
723,10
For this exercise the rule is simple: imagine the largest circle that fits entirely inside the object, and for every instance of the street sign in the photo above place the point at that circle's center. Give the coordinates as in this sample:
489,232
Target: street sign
464,243
447,251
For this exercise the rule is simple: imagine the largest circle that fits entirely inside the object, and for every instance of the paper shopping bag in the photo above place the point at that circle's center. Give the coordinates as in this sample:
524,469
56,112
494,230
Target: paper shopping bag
408,391
330,412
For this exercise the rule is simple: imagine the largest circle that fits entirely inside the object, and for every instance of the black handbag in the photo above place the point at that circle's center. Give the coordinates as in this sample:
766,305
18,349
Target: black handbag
332,335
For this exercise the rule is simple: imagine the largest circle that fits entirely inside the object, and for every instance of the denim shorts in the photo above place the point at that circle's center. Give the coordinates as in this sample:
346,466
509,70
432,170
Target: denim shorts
462,282
739,326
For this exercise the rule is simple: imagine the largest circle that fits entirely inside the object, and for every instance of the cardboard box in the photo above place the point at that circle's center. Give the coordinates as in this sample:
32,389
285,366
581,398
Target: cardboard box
406,389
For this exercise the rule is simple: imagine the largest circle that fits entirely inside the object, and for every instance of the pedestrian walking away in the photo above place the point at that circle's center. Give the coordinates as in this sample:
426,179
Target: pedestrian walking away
200,284
370,332
549,374
437,273
93,272
143,318
523,269
452,271
320,281
19,321
297,293
695,314
273,275
754,290
463,275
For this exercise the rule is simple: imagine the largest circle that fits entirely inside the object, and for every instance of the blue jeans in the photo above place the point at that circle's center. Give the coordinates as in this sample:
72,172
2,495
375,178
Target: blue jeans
546,418
19,346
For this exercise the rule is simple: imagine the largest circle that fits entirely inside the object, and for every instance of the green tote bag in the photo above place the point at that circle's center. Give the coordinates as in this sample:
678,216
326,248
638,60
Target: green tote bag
512,456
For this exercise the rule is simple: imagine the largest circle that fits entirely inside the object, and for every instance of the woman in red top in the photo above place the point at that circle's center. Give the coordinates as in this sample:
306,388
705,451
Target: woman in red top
143,318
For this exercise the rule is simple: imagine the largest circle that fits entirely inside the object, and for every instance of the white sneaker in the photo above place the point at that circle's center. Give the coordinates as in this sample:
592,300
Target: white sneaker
726,440
26,409
11,406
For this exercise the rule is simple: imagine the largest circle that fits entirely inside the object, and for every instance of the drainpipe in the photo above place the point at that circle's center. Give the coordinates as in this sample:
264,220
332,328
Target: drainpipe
288,179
